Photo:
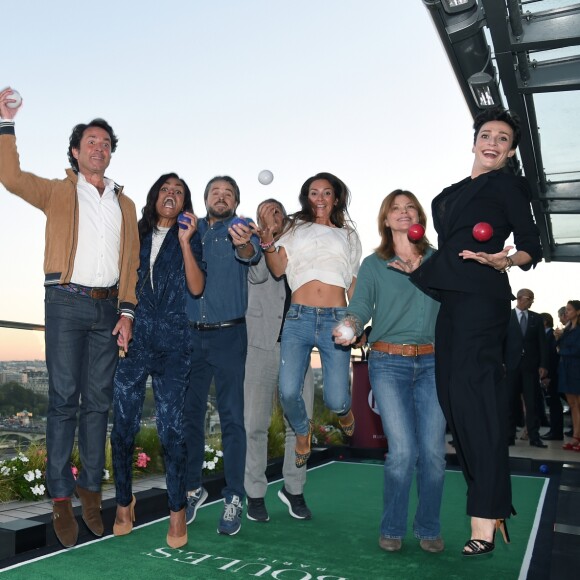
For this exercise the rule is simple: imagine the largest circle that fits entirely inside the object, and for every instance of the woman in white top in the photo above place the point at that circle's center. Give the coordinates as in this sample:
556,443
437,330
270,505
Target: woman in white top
320,253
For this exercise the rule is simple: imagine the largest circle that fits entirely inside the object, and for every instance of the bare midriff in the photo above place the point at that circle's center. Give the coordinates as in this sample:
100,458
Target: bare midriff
320,295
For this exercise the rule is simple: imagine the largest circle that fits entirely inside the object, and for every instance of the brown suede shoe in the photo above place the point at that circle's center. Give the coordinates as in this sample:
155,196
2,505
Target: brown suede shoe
64,523
434,546
390,544
91,504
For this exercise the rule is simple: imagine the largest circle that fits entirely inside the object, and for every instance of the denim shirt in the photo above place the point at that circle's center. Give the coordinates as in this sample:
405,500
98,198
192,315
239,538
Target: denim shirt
225,296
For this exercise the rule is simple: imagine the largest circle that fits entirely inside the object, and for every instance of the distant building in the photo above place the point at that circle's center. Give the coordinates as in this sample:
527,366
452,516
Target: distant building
12,377
37,381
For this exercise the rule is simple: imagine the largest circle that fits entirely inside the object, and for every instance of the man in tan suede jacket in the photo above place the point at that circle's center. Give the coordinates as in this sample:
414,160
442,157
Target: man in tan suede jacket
90,265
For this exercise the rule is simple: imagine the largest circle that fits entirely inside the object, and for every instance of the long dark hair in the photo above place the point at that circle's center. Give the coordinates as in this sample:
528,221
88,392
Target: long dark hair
339,216
386,249
149,220
575,304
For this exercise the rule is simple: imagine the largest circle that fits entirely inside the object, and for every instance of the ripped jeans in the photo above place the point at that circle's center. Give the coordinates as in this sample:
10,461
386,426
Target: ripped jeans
306,327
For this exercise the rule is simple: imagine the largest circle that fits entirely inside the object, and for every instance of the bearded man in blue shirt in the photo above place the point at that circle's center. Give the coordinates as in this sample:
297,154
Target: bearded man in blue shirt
219,346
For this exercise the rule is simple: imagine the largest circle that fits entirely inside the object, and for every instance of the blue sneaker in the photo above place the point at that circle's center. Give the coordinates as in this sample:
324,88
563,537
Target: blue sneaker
193,502
231,520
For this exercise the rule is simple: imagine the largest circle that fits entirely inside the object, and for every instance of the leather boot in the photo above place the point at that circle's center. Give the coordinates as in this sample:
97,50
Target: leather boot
91,504
64,523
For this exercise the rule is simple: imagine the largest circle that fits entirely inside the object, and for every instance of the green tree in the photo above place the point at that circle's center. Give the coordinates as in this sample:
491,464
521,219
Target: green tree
14,398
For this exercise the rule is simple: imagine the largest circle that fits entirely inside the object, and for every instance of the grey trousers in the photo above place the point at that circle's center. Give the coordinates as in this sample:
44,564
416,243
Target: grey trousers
260,387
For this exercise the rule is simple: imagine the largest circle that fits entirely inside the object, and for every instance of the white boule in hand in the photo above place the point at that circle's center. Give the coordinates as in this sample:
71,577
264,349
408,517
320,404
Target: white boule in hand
17,100
346,332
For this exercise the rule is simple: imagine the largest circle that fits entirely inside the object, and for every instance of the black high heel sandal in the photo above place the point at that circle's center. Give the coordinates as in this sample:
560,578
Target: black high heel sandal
481,547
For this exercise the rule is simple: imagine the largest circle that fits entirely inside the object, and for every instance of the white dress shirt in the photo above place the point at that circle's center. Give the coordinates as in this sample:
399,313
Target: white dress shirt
519,314
99,236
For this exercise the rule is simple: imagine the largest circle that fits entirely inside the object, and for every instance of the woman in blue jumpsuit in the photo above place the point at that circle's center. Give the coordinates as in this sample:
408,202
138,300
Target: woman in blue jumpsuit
169,266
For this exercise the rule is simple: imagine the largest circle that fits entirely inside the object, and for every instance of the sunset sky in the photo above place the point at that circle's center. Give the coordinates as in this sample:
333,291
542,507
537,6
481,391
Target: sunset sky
360,88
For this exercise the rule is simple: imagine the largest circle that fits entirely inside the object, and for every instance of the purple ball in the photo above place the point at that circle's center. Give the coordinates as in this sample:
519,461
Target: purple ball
182,220
239,221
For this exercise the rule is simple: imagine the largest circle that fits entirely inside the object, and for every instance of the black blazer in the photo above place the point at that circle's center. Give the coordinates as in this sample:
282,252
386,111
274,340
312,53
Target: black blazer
498,198
533,345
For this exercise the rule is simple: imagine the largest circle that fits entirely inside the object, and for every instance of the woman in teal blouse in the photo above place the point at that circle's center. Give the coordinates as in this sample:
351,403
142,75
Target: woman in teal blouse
402,372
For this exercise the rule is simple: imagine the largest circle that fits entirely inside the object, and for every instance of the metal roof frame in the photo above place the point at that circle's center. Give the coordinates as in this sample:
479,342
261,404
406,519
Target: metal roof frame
517,36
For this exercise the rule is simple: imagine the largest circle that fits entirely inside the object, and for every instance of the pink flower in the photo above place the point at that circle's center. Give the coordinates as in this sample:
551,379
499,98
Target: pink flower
75,471
142,460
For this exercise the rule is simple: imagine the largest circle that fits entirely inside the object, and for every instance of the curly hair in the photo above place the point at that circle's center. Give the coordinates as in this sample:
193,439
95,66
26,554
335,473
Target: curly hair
386,249
77,134
149,220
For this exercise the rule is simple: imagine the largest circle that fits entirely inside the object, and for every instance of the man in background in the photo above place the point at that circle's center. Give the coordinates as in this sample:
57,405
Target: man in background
526,361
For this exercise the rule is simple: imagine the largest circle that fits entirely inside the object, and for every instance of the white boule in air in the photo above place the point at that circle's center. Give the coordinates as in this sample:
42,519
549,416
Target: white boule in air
265,177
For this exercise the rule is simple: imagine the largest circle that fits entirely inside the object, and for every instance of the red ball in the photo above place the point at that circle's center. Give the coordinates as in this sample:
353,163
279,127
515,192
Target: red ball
416,232
482,232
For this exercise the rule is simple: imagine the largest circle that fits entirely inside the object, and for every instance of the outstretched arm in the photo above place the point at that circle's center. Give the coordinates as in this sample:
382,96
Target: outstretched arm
500,261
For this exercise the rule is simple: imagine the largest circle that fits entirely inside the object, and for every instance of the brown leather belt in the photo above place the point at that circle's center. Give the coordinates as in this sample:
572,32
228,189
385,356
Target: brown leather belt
403,349
94,293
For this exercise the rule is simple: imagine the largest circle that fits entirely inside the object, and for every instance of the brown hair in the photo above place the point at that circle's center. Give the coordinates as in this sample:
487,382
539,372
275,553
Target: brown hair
386,249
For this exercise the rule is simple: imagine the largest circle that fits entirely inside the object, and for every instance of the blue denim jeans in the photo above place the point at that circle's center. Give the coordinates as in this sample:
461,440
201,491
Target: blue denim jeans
307,327
81,357
219,355
406,396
